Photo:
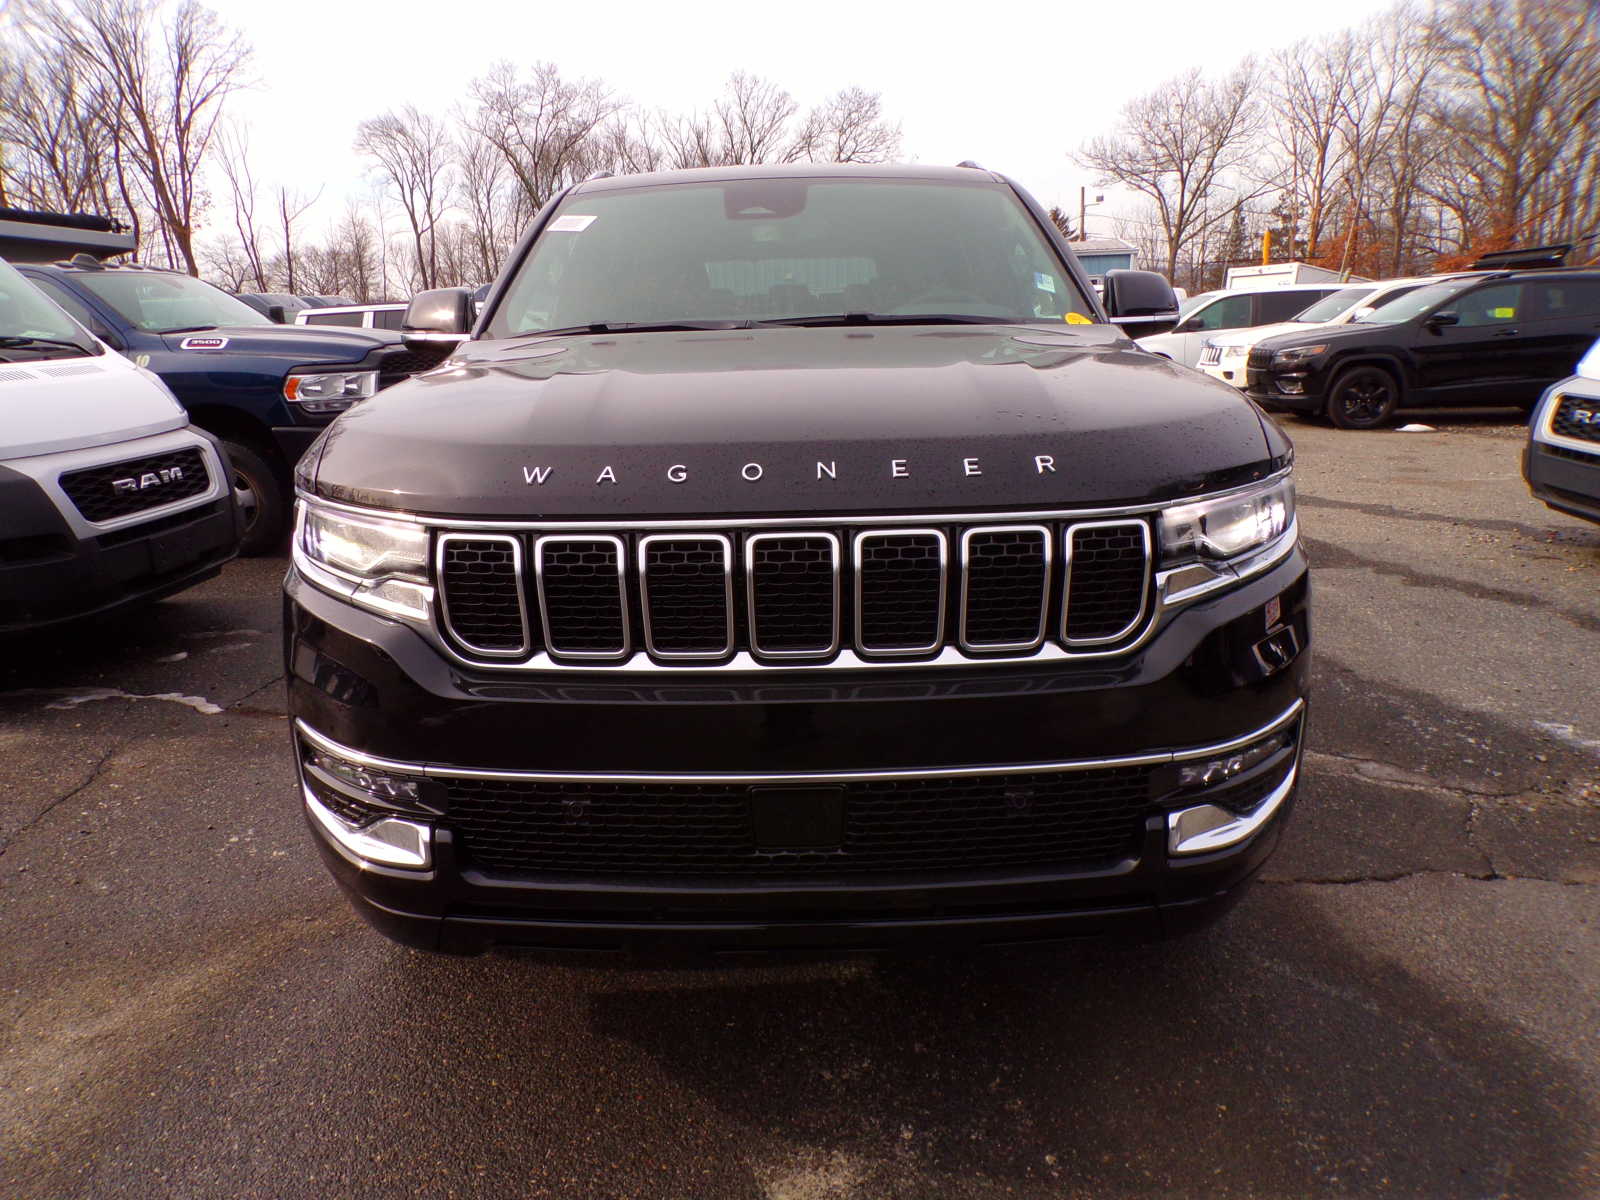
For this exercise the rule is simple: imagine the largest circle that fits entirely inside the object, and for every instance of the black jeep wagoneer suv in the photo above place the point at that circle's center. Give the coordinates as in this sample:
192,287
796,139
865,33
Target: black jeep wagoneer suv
793,558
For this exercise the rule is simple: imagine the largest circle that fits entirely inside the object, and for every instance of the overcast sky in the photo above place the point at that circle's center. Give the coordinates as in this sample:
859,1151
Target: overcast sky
1015,87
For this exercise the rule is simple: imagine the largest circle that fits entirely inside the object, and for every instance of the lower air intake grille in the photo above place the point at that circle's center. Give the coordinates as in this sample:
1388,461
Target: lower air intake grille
1107,580
125,488
581,596
611,830
481,586
900,581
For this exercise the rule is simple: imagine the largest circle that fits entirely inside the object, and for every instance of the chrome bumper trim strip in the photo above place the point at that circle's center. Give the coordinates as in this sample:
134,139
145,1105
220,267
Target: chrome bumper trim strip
329,746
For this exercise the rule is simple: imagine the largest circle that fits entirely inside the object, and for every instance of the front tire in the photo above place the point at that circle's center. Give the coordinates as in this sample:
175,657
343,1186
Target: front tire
1363,398
260,499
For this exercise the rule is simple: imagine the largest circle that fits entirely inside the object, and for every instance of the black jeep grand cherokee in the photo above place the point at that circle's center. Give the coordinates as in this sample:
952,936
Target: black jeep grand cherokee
795,558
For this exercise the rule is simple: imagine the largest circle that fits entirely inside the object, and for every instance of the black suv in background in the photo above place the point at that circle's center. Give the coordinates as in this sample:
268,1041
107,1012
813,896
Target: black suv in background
1495,339
796,557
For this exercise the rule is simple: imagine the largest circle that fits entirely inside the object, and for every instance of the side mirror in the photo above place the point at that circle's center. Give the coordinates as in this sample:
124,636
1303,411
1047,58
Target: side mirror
1141,302
1439,320
437,318
276,315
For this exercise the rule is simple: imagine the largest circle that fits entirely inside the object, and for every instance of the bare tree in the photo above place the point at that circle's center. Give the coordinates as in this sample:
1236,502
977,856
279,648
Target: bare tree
544,127
1186,147
848,127
290,205
164,86
412,151
53,127
234,160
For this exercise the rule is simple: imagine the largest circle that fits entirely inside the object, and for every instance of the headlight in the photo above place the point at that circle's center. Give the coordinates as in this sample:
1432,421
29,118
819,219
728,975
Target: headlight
331,392
1294,356
382,565
1229,526
1589,364
1235,351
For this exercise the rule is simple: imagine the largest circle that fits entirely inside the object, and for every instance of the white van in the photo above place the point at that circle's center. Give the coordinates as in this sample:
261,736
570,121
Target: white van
108,496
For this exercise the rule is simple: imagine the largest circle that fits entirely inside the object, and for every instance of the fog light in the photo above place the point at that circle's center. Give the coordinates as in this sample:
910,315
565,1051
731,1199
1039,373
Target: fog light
1212,771
1292,387
391,791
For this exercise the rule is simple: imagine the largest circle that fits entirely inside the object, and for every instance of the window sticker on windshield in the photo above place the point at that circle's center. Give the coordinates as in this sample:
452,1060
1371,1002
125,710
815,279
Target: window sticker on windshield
1503,314
1043,282
1077,319
570,223
203,343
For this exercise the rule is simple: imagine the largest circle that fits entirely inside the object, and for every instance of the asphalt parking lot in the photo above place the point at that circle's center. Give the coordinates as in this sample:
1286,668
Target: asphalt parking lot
1409,1002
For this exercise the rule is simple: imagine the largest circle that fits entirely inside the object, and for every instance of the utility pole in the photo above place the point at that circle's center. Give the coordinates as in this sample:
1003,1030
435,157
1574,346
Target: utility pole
1083,209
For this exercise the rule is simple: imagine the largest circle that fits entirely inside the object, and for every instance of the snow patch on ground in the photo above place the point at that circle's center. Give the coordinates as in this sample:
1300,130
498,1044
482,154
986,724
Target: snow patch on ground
1566,733
72,699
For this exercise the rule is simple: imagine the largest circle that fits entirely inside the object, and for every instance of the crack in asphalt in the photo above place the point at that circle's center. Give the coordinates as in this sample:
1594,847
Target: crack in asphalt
1490,876
94,774
238,705
1326,555
1402,778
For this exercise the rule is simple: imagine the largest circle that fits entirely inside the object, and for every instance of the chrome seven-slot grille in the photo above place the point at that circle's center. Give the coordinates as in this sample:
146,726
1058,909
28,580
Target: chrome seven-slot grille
790,596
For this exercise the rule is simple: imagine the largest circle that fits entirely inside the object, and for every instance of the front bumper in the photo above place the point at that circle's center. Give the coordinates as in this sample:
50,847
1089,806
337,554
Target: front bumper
56,567
372,687
1562,464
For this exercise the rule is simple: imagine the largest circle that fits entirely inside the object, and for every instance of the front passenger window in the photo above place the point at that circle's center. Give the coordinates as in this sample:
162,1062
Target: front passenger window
1491,306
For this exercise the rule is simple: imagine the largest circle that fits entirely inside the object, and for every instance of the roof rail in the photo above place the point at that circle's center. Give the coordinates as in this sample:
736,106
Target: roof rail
969,164
600,175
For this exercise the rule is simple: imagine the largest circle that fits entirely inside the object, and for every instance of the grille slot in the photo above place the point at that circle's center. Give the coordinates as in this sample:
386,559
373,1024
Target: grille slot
1005,587
97,497
1107,589
686,589
583,596
793,583
1075,819
1566,422
480,580
900,590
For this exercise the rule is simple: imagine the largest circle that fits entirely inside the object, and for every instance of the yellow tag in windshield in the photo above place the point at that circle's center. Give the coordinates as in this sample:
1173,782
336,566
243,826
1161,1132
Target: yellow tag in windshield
1077,319
1503,314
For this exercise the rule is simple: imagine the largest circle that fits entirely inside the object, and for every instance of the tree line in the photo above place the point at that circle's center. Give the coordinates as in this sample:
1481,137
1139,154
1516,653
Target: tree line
1414,142
1417,140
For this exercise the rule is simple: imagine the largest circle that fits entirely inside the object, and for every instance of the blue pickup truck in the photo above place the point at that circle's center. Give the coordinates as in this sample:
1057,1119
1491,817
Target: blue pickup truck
265,390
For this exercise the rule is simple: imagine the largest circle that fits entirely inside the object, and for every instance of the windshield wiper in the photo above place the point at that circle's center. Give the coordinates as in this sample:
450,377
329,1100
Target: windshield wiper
637,327
187,329
870,318
25,339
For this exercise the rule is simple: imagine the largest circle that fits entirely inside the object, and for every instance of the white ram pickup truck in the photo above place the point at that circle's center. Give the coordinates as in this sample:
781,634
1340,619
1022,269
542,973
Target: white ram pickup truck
108,496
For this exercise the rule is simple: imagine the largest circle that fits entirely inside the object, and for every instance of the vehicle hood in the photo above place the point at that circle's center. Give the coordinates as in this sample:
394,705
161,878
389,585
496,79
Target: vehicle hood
51,405
780,421
302,343
1331,334
1256,333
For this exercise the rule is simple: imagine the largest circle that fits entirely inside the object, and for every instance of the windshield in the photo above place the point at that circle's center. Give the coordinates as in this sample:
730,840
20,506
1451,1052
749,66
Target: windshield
1332,306
1414,304
32,327
760,249
1194,302
158,302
